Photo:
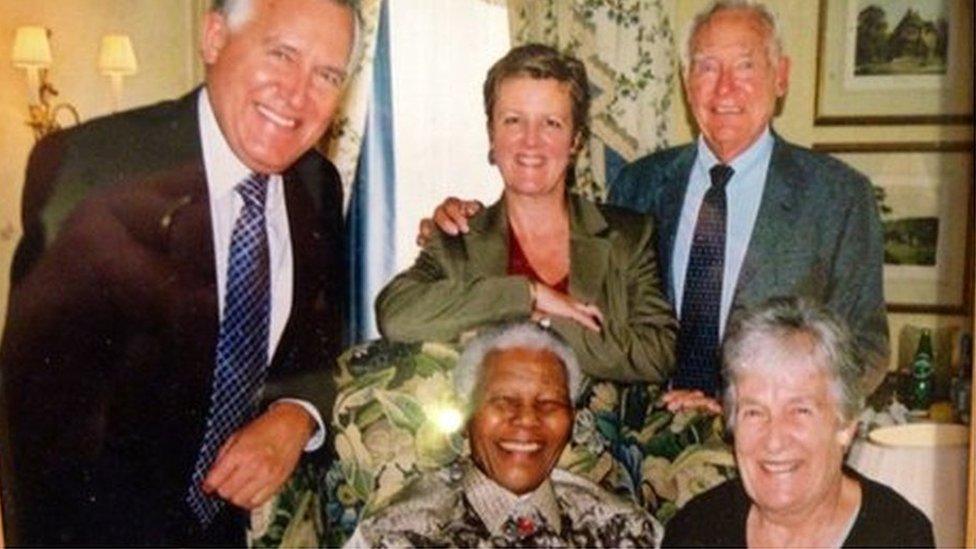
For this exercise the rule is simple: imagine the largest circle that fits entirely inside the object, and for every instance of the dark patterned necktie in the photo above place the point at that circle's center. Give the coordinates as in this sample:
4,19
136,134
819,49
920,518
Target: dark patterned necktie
701,303
242,345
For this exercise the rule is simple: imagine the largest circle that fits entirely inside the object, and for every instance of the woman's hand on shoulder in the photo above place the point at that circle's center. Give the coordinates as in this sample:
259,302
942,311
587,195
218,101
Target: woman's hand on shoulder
549,302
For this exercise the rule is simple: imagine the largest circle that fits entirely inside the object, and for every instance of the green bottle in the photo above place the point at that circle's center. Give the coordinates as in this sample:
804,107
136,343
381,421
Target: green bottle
921,394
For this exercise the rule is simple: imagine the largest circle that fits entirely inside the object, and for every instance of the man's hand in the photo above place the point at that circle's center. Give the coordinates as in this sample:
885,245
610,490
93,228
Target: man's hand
451,216
679,400
549,302
260,456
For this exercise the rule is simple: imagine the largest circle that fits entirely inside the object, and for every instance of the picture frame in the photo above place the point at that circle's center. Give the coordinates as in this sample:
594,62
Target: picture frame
926,198
894,62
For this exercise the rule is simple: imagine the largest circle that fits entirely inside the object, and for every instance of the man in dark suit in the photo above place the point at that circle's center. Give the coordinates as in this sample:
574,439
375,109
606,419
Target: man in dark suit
796,222
175,299
782,221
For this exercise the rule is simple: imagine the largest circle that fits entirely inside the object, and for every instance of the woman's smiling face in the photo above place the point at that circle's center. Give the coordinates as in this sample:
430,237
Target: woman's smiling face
789,438
532,134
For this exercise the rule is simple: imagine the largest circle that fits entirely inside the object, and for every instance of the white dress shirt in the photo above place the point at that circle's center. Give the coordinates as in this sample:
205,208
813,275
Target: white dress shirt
743,194
224,171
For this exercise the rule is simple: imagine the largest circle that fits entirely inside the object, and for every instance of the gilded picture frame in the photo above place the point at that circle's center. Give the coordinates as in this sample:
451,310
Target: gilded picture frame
894,62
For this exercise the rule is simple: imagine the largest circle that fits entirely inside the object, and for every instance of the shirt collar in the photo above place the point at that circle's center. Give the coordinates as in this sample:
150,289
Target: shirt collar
494,504
761,148
224,169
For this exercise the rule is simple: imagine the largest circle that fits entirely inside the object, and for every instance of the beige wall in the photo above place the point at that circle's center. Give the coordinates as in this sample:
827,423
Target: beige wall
799,20
161,36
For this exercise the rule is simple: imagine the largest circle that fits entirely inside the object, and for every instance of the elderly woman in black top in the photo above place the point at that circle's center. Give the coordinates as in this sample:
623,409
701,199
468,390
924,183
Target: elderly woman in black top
792,398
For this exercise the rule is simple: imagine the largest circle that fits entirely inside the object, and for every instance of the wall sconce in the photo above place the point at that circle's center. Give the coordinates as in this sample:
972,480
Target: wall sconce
32,52
115,60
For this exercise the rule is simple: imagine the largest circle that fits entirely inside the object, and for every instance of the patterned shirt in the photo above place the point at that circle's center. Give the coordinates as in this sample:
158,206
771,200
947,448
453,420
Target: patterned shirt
461,507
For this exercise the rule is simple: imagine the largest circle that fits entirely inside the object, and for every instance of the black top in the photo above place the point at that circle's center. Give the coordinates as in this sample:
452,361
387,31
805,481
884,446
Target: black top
717,518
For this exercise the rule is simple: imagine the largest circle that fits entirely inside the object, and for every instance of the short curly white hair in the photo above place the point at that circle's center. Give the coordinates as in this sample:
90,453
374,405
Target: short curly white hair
523,335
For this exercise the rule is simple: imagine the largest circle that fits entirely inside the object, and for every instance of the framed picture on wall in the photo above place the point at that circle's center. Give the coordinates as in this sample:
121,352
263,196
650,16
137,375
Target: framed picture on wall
895,62
925,196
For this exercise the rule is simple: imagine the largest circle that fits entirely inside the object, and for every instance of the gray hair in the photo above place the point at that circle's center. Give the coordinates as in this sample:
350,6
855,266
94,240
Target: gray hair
762,12
779,319
237,12
469,372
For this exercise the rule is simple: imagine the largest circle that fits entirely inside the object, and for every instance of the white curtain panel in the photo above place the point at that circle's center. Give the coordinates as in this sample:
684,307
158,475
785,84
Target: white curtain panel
440,51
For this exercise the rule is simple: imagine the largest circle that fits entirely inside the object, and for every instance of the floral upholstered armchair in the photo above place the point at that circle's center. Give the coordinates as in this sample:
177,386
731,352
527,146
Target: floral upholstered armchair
396,416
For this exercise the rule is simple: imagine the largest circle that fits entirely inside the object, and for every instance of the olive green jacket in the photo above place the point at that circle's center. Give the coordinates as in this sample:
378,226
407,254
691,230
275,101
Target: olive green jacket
459,283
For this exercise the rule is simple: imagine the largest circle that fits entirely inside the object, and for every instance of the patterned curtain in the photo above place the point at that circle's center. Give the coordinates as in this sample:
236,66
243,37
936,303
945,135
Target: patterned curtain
628,48
344,141
359,143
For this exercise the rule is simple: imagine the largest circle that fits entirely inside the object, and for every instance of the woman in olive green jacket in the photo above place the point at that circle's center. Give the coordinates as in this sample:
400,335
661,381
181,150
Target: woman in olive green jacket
539,252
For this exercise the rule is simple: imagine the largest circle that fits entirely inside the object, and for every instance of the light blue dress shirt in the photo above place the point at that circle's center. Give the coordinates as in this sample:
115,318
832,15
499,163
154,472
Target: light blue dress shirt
744,194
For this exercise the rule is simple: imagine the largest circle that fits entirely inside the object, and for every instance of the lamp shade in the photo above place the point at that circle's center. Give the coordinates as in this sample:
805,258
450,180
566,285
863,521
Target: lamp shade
116,55
925,463
31,47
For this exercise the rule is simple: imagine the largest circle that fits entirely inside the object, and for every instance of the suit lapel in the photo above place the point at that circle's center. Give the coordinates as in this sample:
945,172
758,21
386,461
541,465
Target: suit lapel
186,223
185,226
306,243
187,220
668,211
489,236
770,241
589,251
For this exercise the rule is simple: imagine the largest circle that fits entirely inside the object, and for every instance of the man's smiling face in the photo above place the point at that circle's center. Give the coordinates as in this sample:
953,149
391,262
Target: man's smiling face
275,80
523,420
733,81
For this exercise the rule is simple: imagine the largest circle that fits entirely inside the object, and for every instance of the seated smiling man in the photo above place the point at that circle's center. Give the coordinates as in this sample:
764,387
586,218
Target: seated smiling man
519,382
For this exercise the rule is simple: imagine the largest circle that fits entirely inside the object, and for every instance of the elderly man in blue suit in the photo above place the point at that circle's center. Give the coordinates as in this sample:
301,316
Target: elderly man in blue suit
795,222
743,214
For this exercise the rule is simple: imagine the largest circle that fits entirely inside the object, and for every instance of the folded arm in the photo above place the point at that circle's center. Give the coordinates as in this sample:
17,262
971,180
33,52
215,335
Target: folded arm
637,346
438,298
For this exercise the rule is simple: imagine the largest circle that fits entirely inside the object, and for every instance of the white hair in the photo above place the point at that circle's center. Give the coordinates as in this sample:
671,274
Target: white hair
238,12
762,12
767,327
469,373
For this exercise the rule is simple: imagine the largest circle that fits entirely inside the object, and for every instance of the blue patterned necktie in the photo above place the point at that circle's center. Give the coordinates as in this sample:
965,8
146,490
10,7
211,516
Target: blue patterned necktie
242,345
701,304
